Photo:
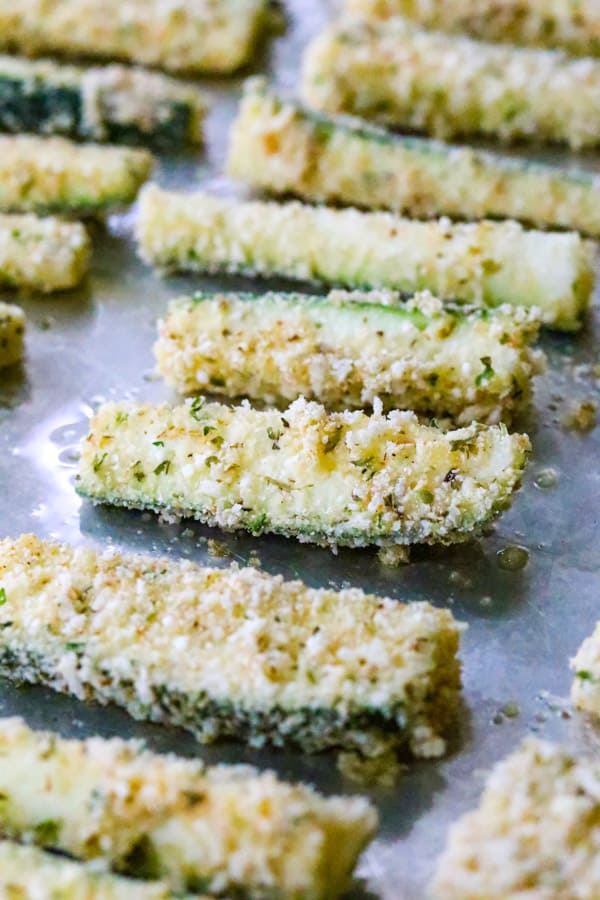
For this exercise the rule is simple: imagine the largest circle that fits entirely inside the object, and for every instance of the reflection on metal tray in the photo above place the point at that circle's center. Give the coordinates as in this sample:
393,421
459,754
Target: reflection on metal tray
523,625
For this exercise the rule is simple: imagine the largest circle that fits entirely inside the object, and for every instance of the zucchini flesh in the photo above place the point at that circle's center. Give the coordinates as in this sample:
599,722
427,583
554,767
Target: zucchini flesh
569,24
12,330
42,254
221,829
446,85
203,36
347,350
112,103
534,833
484,263
326,478
283,147
28,873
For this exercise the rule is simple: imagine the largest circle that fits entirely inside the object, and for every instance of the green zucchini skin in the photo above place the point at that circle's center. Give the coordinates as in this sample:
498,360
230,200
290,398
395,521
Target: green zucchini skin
113,104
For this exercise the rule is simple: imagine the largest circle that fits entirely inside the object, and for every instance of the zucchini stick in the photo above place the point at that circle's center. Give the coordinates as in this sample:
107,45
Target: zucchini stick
348,349
569,24
42,254
28,873
534,834
486,263
39,174
226,828
586,668
111,103
283,147
327,478
446,85
199,36
230,652
12,330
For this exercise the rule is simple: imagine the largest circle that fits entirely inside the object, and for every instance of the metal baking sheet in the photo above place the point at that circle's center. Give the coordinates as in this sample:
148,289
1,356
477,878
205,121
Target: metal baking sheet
524,625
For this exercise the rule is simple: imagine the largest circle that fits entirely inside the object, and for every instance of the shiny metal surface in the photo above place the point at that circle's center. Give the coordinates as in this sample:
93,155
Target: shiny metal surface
523,625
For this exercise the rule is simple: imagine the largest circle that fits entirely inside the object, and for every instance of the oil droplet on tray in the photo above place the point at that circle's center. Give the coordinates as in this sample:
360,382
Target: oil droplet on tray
513,559
546,478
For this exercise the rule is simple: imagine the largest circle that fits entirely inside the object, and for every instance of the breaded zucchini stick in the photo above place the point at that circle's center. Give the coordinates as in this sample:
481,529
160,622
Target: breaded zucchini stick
42,254
327,478
198,36
486,263
283,147
111,103
586,668
349,349
571,24
39,174
12,331
535,833
446,85
229,652
222,829
28,873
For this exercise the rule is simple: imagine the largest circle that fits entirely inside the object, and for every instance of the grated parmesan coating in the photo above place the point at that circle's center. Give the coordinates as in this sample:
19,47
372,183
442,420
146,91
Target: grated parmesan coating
534,836
12,331
347,350
27,873
586,668
326,478
39,174
281,146
219,829
393,72
229,652
571,24
179,35
42,254
486,263
110,103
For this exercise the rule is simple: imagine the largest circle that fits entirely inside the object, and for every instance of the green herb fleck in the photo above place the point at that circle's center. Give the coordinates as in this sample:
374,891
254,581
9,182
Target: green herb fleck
3,597
333,439
584,675
158,443
426,496
164,466
121,417
138,472
47,832
75,646
196,408
217,381
487,374
99,462
212,460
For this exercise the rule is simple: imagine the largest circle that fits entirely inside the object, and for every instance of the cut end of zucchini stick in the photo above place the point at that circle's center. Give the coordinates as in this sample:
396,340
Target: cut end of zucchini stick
42,254
112,103
484,263
28,872
585,666
534,833
569,24
347,350
327,478
282,147
39,174
202,36
393,72
226,829
12,332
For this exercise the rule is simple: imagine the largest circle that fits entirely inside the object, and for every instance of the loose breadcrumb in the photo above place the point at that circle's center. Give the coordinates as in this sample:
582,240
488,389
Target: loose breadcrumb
348,350
225,829
42,254
534,836
394,72
571,24
39,174
486,263
199,36
229,652
586,668
283,147
12,331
